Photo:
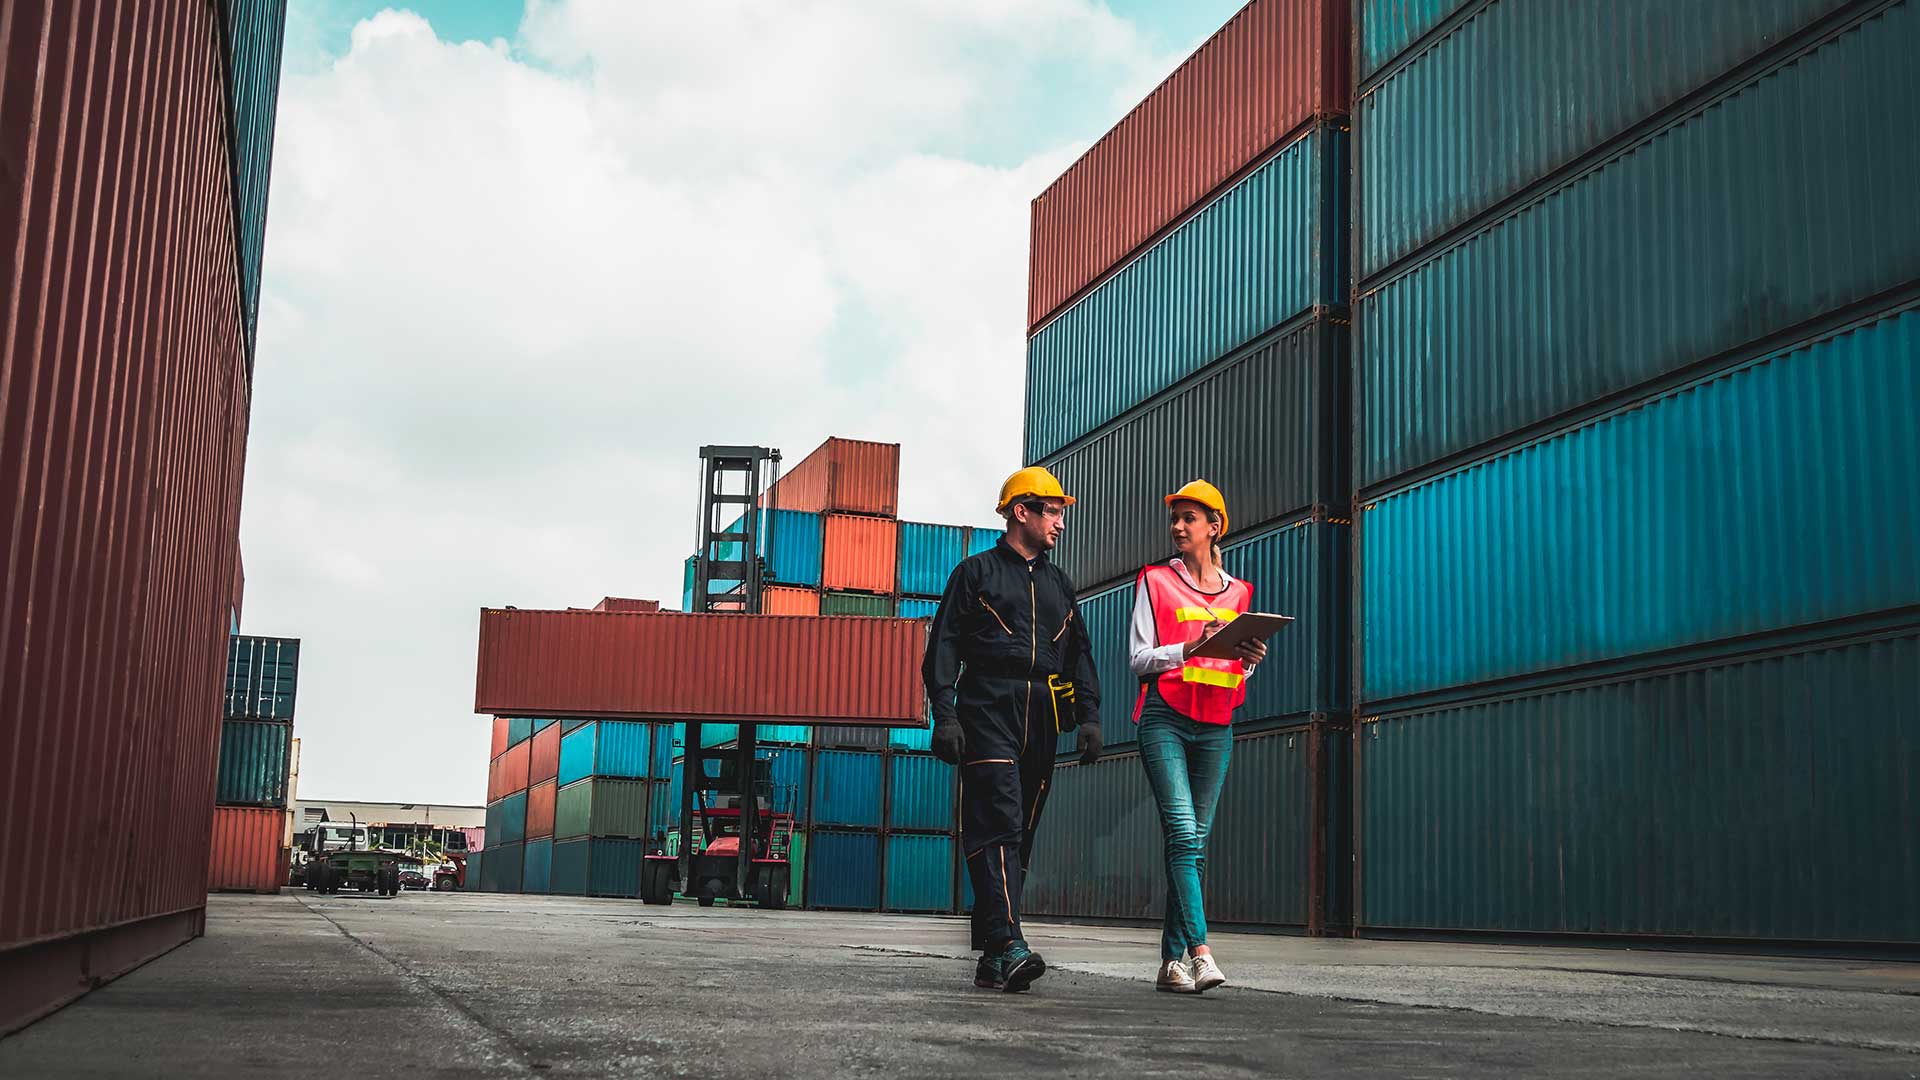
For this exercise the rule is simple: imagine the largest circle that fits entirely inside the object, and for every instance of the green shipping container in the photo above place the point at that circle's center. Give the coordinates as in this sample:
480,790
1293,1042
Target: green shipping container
253,763
855,604
602,807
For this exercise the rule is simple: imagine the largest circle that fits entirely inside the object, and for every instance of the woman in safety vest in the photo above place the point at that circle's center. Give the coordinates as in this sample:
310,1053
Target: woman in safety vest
1185,711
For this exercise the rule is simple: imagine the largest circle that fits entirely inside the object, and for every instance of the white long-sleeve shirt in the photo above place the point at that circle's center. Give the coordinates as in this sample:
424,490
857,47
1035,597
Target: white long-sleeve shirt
1146,657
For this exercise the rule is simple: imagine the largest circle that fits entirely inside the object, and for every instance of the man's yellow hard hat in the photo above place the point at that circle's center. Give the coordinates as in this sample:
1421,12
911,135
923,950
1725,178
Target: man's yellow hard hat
1032,482
1206,495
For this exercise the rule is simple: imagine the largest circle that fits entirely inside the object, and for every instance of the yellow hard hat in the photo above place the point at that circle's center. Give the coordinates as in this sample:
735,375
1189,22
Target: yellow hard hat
1031,482
1206,495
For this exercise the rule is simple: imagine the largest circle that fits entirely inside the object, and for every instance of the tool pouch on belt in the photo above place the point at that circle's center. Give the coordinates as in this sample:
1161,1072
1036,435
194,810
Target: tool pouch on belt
1066,715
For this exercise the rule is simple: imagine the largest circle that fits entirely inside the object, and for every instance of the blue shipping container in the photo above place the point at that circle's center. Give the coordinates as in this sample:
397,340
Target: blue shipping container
1702,514
254,32
507,820
537,873
615,748
596,867
1738,221
920,738
928,554
921,793
660,761
843,870
1271,248
253,763
791,541
919,873
913,608
846,788
783,734
981,538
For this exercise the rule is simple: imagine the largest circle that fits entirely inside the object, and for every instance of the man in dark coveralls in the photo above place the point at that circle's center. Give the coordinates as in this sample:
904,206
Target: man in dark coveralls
1007,635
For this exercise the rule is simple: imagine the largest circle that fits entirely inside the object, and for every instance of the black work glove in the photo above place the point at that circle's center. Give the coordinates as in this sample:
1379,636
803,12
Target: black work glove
948,743
1090,742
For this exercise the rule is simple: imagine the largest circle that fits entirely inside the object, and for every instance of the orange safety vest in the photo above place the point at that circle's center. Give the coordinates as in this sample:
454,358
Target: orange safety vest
1201,689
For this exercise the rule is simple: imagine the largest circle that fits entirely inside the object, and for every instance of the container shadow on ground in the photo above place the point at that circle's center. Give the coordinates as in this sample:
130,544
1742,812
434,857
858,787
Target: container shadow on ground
458,984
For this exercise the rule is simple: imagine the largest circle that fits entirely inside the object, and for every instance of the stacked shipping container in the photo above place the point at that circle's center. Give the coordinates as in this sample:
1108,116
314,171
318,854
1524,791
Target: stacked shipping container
1189,319
253,784
123,419
1634,374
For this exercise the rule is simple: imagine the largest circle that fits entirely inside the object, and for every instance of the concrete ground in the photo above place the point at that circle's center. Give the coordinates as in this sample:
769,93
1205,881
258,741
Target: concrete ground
457,984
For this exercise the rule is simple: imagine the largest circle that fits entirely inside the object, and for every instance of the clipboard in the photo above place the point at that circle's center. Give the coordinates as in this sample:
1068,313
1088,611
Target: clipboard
1225,644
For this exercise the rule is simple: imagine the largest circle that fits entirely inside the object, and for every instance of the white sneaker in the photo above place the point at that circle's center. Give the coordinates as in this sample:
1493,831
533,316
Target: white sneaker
1205,973
1173,979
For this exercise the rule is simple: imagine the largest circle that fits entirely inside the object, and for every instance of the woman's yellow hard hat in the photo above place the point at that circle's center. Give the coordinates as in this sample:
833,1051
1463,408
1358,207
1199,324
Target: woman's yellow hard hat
1032,482
1206,495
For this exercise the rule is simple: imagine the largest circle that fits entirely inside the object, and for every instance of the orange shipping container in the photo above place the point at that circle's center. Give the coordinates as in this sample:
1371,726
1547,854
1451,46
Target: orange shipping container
781,600
246,854
544,761
540,802
804,670
500,737
509,772
860,553
842,475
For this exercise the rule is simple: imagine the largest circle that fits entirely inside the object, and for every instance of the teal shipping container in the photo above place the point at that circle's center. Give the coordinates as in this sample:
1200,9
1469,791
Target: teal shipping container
595,867
613,748
791,541
1387,28
663,814
981,539
519,730
263,677
507,820
660,758
1540,94
915,608
921,793
846,788
1299,570
502,869
536,875
919,873
1770,796
254,33
476,872
783,734
843,871
710,735
1270,248
1736,221
928,554
254,758
920,738
1702,514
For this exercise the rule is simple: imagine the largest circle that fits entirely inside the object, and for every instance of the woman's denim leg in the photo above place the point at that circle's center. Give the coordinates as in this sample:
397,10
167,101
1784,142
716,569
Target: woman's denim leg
1208,751
1163,751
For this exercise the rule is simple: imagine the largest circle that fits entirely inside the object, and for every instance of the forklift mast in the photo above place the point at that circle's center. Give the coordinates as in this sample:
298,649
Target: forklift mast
729,574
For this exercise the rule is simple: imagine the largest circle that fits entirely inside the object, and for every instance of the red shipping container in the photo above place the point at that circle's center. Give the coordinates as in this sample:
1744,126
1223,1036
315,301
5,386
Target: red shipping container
510,771
500,737
859,554
785,600
843,475
123,420
540,802
248,853
677,667
544,759
1276,66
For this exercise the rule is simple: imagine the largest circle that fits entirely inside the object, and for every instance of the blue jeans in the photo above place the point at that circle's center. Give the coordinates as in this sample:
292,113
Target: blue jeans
1186,764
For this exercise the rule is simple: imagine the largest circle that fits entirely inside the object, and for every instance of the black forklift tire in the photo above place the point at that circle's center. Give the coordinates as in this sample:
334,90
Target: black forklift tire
706,901
777,890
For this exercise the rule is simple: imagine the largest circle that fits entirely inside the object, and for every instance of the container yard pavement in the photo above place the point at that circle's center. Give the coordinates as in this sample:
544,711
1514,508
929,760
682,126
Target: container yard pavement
458,984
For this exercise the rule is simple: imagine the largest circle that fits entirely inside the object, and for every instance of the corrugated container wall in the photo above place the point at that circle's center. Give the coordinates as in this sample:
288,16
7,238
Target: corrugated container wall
597,867
779,601
254,32
789,541
499,737
502,870
541,799
247,853
912,608
1270,249
844,870
837,603
920,793
1275,421
1542,94
1700,515
847,788
254,763
263,678
928,554
123,420
1774,796
1275,66
536,874
1740,218
543,761
509,772
620,748
842,476
919,873
862,553
507,820
586,664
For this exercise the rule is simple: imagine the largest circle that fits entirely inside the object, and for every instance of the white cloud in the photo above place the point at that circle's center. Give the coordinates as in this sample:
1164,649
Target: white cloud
509,292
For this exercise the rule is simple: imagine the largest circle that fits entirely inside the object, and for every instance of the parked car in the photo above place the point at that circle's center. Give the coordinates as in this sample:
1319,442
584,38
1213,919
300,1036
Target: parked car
414,879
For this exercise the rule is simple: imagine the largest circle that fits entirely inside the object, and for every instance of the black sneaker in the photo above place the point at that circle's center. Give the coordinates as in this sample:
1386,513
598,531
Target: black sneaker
988,974
1019,967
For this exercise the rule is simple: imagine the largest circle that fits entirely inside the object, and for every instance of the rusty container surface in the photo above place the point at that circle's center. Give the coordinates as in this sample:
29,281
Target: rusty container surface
544,759
781,600
843,475
541,799
860,554
500,724
123,418
510,771
249,850
622,603
1276,66
665,666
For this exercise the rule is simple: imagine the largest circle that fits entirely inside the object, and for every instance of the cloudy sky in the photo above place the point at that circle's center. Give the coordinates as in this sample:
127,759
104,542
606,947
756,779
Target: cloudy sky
523,258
